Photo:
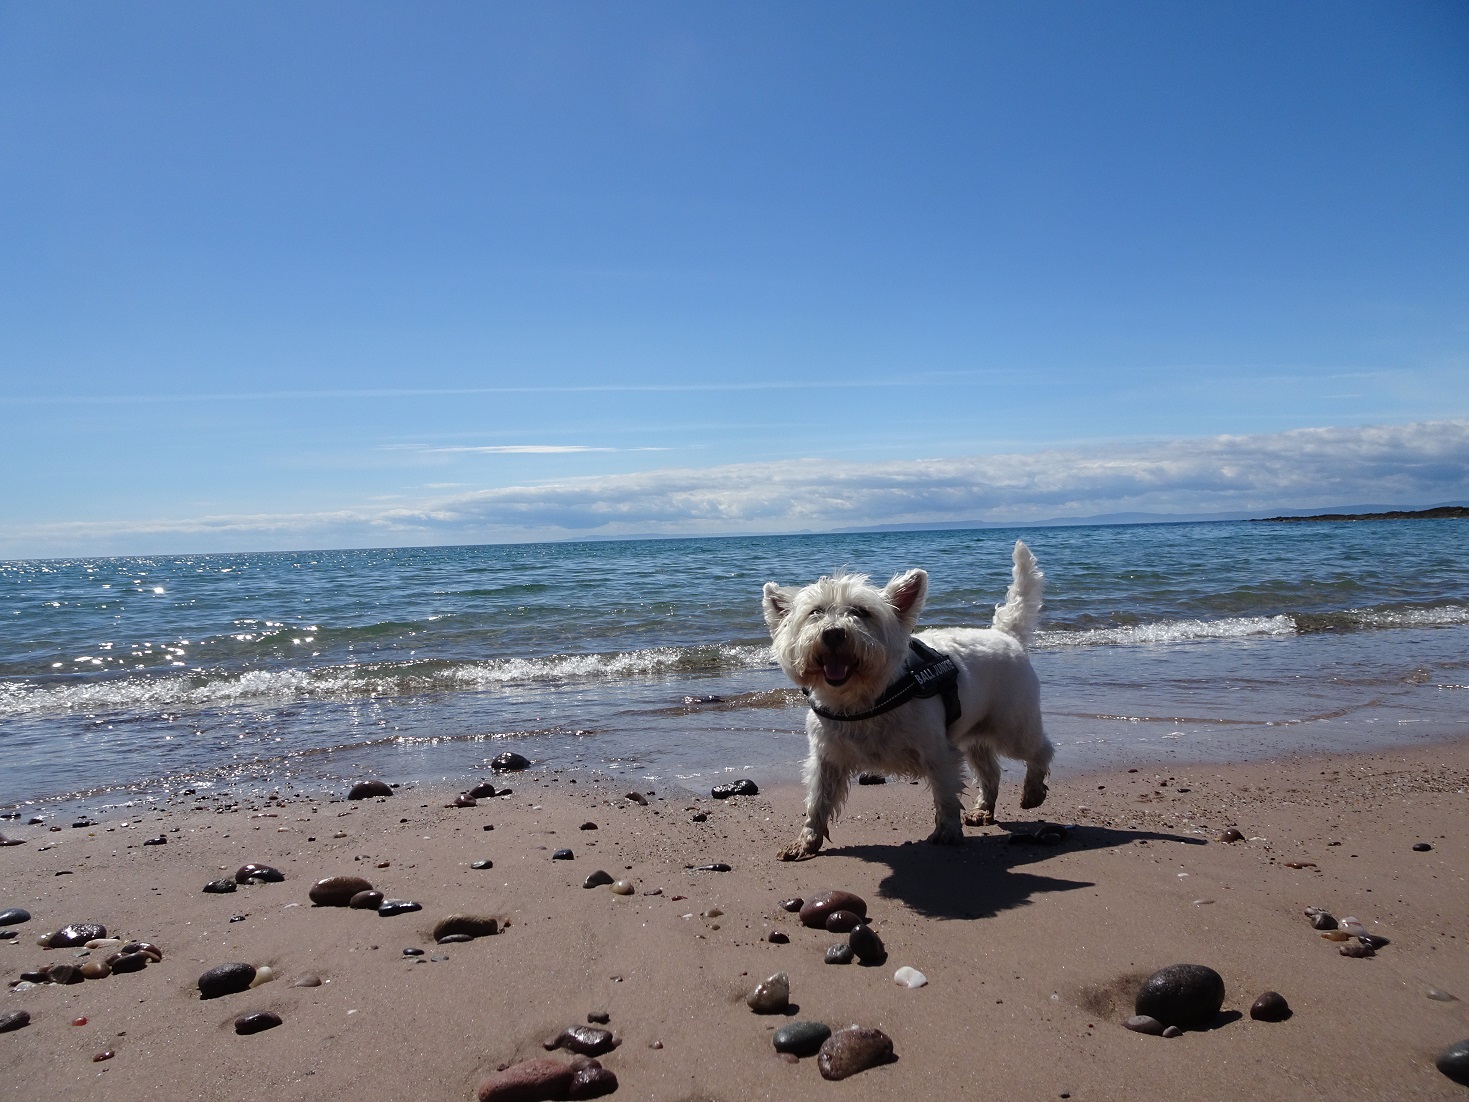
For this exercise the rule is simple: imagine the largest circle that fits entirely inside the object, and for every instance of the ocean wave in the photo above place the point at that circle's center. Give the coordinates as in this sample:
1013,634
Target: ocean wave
1246,627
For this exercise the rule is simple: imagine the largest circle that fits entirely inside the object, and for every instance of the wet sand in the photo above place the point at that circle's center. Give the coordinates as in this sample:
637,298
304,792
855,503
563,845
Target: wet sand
1033,952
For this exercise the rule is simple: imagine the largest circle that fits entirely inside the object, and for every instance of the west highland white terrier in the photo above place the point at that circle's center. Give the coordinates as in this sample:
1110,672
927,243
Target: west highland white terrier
887,701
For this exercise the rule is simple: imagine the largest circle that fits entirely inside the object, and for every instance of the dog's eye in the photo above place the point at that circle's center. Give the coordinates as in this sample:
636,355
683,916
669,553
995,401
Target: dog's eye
861,614
815,612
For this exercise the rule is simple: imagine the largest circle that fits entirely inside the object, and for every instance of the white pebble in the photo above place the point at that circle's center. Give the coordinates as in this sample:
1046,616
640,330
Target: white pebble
264,974
909,977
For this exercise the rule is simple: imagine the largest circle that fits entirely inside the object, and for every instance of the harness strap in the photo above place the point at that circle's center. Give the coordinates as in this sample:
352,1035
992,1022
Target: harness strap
926,672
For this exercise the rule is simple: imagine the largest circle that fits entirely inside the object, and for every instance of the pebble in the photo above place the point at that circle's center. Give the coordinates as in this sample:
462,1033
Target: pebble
266,974
712,912
486,864
909,977
1232,835
1421,847
597,879
260,874
64,974
1270,1007
365,790
1323,921
467,925
598,1017
238,918
851,1050
147,948
776,937
510,762
637,798
128,962
366,901
6,935
816,909
584,1040
742,787
1440,996
866,945
79,933
452,939
1357,949
536,1080
257,1022
1337,935
464,799
770,996
412,952
842,922
337,891
96,969
390,907
1144,1023
226,979
792,905
699,817
588,825
1171,1031
482,791
801,1038
839,954
13,1020
563,855
1183,995
161,840
1454,1062
308,980
13,916
1352,926
108,1055
716,866
623,887
220,887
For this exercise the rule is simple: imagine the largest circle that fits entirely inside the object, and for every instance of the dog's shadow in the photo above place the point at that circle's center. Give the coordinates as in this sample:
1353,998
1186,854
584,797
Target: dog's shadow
986,875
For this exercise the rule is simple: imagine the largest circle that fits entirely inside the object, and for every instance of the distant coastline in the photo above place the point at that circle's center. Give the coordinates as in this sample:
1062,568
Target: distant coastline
1443,512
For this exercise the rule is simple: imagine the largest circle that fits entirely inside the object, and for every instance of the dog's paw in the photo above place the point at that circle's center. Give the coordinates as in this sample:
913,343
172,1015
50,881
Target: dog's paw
806,845
1033,797
947,836
979,817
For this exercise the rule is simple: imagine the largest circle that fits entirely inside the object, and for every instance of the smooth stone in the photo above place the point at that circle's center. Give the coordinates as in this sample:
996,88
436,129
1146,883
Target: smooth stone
866,945
226,979
854,1049
776,937
482,791
64,974
6,935
128,962
597,879
366,901
161,840
468,925
1323,921
365,790
816,909
1142,1023
714,866
1421,847
96,969
843,922
839,954
13,916
1452,1061
1357,949
801,1038
390,907
1439,995
1374,941
1183,995
1232,835
592,1080
265,974
770,996
1171,1032
740,787
262,873
598,1017
699,817
309,980
486,864
1352,926
584,1040
337,891
1270,1007
220,887
257,1022
637,798
79,933
510,762
588,825
537,1080
464,799
909,977
1337,935
563,855
793,905
451,939
19,1019
623,887
145,947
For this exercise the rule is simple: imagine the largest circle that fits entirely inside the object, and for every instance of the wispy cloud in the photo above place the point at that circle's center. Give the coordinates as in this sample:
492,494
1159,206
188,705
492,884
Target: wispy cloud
1304,468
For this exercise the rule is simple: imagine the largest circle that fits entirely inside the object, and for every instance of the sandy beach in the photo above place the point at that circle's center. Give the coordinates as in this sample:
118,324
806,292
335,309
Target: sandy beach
1033,952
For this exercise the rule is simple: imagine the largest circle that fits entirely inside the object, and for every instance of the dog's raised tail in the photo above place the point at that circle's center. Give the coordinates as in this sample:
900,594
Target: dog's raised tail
1022,607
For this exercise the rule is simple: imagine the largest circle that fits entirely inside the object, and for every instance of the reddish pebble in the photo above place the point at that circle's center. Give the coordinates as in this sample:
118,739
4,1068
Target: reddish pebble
108,1055
79,1021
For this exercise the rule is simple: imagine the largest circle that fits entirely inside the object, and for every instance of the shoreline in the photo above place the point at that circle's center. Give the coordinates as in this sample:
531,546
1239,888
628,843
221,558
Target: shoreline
1032,951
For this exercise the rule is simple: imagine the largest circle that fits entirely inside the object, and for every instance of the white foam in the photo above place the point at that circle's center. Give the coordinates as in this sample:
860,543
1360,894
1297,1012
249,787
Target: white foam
1173,631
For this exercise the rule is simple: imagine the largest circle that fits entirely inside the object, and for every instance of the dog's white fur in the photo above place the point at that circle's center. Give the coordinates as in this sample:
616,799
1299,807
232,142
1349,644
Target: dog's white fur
844,641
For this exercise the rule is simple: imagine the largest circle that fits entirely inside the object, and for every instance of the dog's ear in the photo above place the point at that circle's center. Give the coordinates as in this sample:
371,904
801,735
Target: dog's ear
906,593
776,601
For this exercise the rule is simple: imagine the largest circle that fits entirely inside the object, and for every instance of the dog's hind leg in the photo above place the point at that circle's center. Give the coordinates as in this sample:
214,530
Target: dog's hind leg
987,777
1037,766
826,791
945,774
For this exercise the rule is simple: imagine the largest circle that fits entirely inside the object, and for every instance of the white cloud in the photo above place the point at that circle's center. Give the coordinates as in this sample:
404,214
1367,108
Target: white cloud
1304,468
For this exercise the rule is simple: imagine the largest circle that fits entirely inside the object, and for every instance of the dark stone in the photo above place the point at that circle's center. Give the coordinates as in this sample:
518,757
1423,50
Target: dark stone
258,1022
145,947
563,855
1232,835
78,933
1452,1061
390,907
452,939
238,918
839,954
510,762
1171,1032
337,891
699,817
464,799
815,909
801,1038
867,945
226,979
220,887
412,952
1323,921
584,1040
637,798
161,840
715,866
1051,835
1142,1023
1183,995
841,922
589,826
854,1049
529,1081
597,879
1270,1007
485,864
365,790
742,787
6,935
1357,948
128,962
13,916
872,778
482,791
793,905
369,900
19,1019
1421,847
468,925
245,874
598,1017
591,1080
775,937
64,974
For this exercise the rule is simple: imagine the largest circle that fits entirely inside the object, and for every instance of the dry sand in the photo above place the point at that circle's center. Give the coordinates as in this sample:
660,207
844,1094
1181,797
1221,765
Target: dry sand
1033,952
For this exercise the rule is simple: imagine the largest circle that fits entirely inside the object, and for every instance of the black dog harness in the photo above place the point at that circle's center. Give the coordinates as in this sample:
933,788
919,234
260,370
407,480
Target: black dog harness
926,672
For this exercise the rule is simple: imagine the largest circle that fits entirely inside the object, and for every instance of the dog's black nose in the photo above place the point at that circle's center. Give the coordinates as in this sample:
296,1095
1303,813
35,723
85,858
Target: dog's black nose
834,638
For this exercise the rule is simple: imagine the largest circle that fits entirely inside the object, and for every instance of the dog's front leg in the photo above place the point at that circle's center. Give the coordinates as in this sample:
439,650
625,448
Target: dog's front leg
826,789
946,780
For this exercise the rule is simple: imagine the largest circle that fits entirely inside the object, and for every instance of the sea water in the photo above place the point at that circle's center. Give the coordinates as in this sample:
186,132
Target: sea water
129,679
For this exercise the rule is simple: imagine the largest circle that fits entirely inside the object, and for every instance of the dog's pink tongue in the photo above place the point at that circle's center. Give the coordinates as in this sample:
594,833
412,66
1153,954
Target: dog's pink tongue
836,670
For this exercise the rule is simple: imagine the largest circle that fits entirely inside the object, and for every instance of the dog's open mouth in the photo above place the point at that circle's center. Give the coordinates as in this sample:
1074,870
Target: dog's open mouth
835,670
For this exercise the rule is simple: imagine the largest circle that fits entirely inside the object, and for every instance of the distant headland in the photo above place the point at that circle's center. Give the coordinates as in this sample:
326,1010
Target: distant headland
1443,512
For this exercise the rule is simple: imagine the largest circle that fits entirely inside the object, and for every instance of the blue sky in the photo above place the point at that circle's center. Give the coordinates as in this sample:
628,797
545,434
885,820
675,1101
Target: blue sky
309,274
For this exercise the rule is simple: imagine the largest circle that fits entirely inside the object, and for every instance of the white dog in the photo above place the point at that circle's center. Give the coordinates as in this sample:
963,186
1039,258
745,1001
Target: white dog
881,700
